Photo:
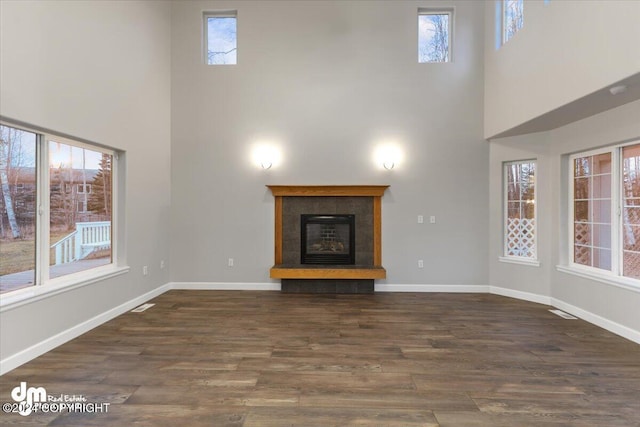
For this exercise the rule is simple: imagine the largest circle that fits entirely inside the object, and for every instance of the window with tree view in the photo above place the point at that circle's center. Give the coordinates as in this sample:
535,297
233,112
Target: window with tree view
79,216
17,208
221,38
434,36
57,225
605,210
520,209
512,18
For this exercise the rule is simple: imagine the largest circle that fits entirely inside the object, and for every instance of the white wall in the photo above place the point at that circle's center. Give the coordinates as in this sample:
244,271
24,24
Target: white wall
327,81
97,71
567,49
608,305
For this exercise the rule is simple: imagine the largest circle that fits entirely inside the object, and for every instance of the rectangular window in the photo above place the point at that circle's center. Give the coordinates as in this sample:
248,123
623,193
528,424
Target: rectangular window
17,209
512,18
592,210
83,188
520,209
71,232
434,35
605,210
220,38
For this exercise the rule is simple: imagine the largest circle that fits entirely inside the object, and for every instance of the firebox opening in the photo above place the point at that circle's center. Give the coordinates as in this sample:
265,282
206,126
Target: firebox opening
327,239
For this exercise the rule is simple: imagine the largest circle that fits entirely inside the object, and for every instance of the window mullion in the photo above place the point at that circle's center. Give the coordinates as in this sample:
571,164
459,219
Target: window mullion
617,207
505,211
571,212
42,238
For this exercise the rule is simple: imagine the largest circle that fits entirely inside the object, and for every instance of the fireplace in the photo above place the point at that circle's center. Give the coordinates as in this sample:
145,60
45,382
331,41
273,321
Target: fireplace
327,239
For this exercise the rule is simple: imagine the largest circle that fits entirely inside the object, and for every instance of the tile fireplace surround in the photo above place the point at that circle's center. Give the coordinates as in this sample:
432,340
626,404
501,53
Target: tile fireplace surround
364,201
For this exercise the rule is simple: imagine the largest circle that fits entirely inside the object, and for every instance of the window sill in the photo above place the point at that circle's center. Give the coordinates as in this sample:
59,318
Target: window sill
531,262
618,281
15,299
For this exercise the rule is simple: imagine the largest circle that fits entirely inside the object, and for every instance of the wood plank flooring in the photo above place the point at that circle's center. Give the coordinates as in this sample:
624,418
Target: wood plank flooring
224,358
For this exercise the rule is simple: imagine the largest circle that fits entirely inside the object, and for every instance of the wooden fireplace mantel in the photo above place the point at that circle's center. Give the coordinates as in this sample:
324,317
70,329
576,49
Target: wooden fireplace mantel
280,271
328,190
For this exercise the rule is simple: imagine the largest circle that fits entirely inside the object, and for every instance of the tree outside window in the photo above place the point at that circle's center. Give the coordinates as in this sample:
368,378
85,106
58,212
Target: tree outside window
434,36
604,211
520,209
76,195
513,18
221,39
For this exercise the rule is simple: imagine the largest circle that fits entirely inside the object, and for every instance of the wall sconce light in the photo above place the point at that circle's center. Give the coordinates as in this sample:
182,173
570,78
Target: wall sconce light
388,155
266,155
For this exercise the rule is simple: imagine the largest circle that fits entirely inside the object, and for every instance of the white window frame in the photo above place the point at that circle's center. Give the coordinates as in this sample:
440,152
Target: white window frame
43,286
615,204
438,11
615,276
533,260
205,32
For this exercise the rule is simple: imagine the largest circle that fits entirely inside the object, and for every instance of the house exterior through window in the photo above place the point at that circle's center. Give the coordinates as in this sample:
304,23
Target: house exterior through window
57,230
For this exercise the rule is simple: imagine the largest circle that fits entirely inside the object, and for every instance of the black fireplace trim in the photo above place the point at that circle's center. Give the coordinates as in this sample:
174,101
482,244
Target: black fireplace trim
329,259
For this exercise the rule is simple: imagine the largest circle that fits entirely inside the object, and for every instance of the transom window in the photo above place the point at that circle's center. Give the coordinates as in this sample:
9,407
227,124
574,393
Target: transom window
221,40
434,35
520,209
512,18
604,210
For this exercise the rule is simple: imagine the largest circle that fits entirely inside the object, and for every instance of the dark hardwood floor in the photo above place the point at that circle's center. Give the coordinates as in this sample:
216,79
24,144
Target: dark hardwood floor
218,358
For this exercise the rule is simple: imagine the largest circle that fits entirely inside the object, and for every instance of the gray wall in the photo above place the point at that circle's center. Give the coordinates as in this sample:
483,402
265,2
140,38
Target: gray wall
97,71
603,303
327,81
566,50
527,279
554,60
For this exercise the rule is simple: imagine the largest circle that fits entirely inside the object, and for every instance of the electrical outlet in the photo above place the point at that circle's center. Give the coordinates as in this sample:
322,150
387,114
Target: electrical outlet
162,264
230,263
420,263
432,219
145,270
420,219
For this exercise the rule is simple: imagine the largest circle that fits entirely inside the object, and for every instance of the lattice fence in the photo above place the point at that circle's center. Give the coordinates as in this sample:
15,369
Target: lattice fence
582,236
521,237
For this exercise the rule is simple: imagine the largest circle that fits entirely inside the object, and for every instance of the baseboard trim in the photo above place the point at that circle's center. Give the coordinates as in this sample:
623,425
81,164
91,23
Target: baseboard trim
225,286
609,325
22,357
474,289
521,295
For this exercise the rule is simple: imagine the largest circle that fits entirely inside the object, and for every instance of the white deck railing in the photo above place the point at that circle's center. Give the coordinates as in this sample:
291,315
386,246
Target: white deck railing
88,237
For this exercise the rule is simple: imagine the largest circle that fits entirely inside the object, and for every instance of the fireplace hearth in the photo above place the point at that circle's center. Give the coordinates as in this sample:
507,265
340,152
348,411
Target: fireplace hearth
327,239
